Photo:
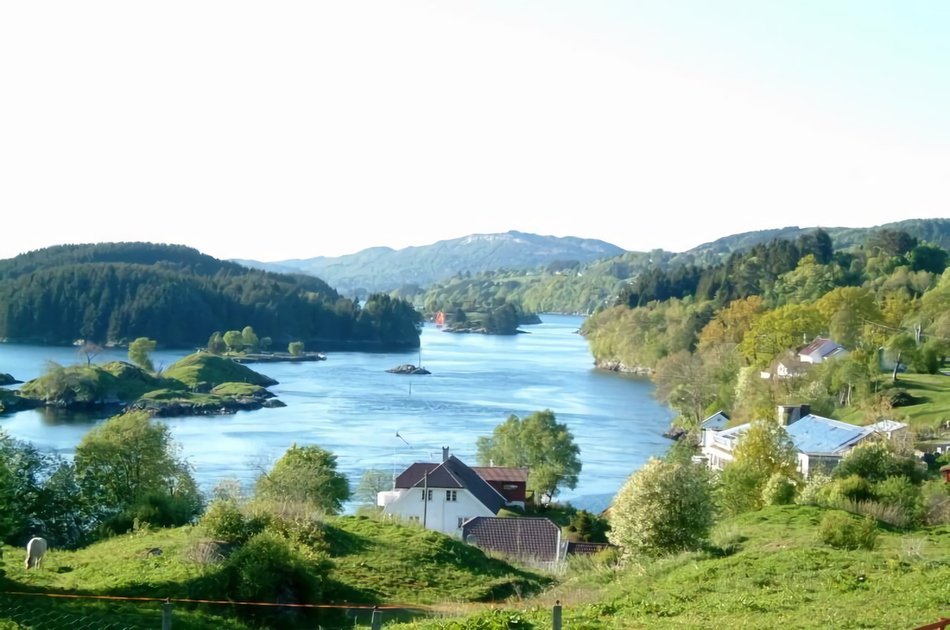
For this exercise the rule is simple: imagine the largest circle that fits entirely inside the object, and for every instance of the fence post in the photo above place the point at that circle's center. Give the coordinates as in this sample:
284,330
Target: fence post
556,616
377,620
167,615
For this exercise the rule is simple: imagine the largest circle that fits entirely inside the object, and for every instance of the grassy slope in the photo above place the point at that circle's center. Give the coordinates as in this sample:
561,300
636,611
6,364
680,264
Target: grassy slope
781,576
373,562
204,367
933,392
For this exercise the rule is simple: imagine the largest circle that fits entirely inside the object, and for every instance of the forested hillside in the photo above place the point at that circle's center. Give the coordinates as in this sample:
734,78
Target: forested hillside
709,334
572,286
116,292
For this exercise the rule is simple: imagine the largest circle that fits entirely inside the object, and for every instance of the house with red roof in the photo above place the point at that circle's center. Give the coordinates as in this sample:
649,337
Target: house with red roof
441,496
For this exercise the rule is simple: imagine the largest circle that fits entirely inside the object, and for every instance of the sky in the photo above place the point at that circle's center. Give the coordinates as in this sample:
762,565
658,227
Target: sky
296,129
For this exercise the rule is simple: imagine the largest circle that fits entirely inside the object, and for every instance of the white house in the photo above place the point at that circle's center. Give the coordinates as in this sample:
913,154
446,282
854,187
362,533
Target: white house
821,349
821,442
440,496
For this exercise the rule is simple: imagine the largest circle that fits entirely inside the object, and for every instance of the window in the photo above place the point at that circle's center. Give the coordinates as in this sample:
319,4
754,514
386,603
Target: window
422,497
413,519
451,495
462,519
509,486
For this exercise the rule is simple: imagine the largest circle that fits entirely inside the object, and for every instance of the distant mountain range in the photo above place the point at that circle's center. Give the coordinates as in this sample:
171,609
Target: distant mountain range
386,269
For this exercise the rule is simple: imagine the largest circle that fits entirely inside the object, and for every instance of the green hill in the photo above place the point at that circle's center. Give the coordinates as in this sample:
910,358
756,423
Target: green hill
763,569
769,570
112,293
370,562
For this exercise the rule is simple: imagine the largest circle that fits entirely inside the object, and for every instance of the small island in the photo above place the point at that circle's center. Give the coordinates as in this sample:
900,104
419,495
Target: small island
408,368
278,357
501,320
199,384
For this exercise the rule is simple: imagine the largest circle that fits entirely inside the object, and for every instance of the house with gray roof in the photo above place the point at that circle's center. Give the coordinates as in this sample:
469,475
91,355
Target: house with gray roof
821,442
819,350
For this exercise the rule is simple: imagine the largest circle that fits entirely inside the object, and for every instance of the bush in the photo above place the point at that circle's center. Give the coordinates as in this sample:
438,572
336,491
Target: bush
815,490
903,494
224,521
779,490
853,488
935,502
842,531
271,568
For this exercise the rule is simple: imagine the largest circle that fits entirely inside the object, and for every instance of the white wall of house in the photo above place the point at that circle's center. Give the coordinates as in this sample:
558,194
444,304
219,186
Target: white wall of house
444,512
716,450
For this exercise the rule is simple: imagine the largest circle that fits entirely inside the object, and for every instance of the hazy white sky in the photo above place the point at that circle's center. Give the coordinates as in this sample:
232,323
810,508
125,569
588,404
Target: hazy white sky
275,130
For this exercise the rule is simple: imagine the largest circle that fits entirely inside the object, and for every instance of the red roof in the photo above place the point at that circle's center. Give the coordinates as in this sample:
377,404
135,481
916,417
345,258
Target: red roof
501,473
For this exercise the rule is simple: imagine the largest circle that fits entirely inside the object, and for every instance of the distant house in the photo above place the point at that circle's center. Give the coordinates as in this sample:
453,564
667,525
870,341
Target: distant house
531,540
891,429
821,442
819,350
788,365
510,482
717,422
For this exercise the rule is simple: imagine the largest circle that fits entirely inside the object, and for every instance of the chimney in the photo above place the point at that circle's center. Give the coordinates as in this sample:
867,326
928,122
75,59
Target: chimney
790,414
445,453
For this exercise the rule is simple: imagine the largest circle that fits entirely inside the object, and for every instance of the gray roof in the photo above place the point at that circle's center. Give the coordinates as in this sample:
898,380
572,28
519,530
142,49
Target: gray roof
451,474
716,422
527,538
818,435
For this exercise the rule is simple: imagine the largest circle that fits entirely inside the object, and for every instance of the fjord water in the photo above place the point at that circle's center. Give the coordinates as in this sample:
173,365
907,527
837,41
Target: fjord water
351,406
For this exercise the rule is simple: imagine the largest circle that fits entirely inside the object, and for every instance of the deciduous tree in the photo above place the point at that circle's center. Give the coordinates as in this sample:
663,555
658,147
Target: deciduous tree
305,474
130,461
540,443
663,508
140,352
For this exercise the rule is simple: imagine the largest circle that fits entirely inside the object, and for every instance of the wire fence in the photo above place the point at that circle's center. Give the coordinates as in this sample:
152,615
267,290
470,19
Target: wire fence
50,611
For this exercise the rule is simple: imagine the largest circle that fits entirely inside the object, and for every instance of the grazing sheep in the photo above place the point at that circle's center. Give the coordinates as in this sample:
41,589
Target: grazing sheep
34,552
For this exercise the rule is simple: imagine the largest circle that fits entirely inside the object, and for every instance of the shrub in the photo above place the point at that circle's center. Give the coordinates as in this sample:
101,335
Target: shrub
842,531
875,461
901,493
852,488
815,490
224,521
271,568
779,490
935,502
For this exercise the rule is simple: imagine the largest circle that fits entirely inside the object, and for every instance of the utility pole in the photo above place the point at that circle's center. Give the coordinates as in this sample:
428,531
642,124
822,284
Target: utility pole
425,497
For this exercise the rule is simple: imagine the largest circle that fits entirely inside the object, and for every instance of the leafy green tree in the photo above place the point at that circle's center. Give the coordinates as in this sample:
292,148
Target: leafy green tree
216,343
295,348
764,450
876,461
663,508
249,339
778,330
902,348
129,463
305,474
371,484
538,442
234,340
140,352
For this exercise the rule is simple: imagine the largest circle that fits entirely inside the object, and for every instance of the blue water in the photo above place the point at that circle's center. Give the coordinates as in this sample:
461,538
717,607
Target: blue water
351,406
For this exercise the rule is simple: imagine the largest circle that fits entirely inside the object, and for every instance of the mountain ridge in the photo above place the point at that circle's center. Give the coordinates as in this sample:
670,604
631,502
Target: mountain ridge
386,269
